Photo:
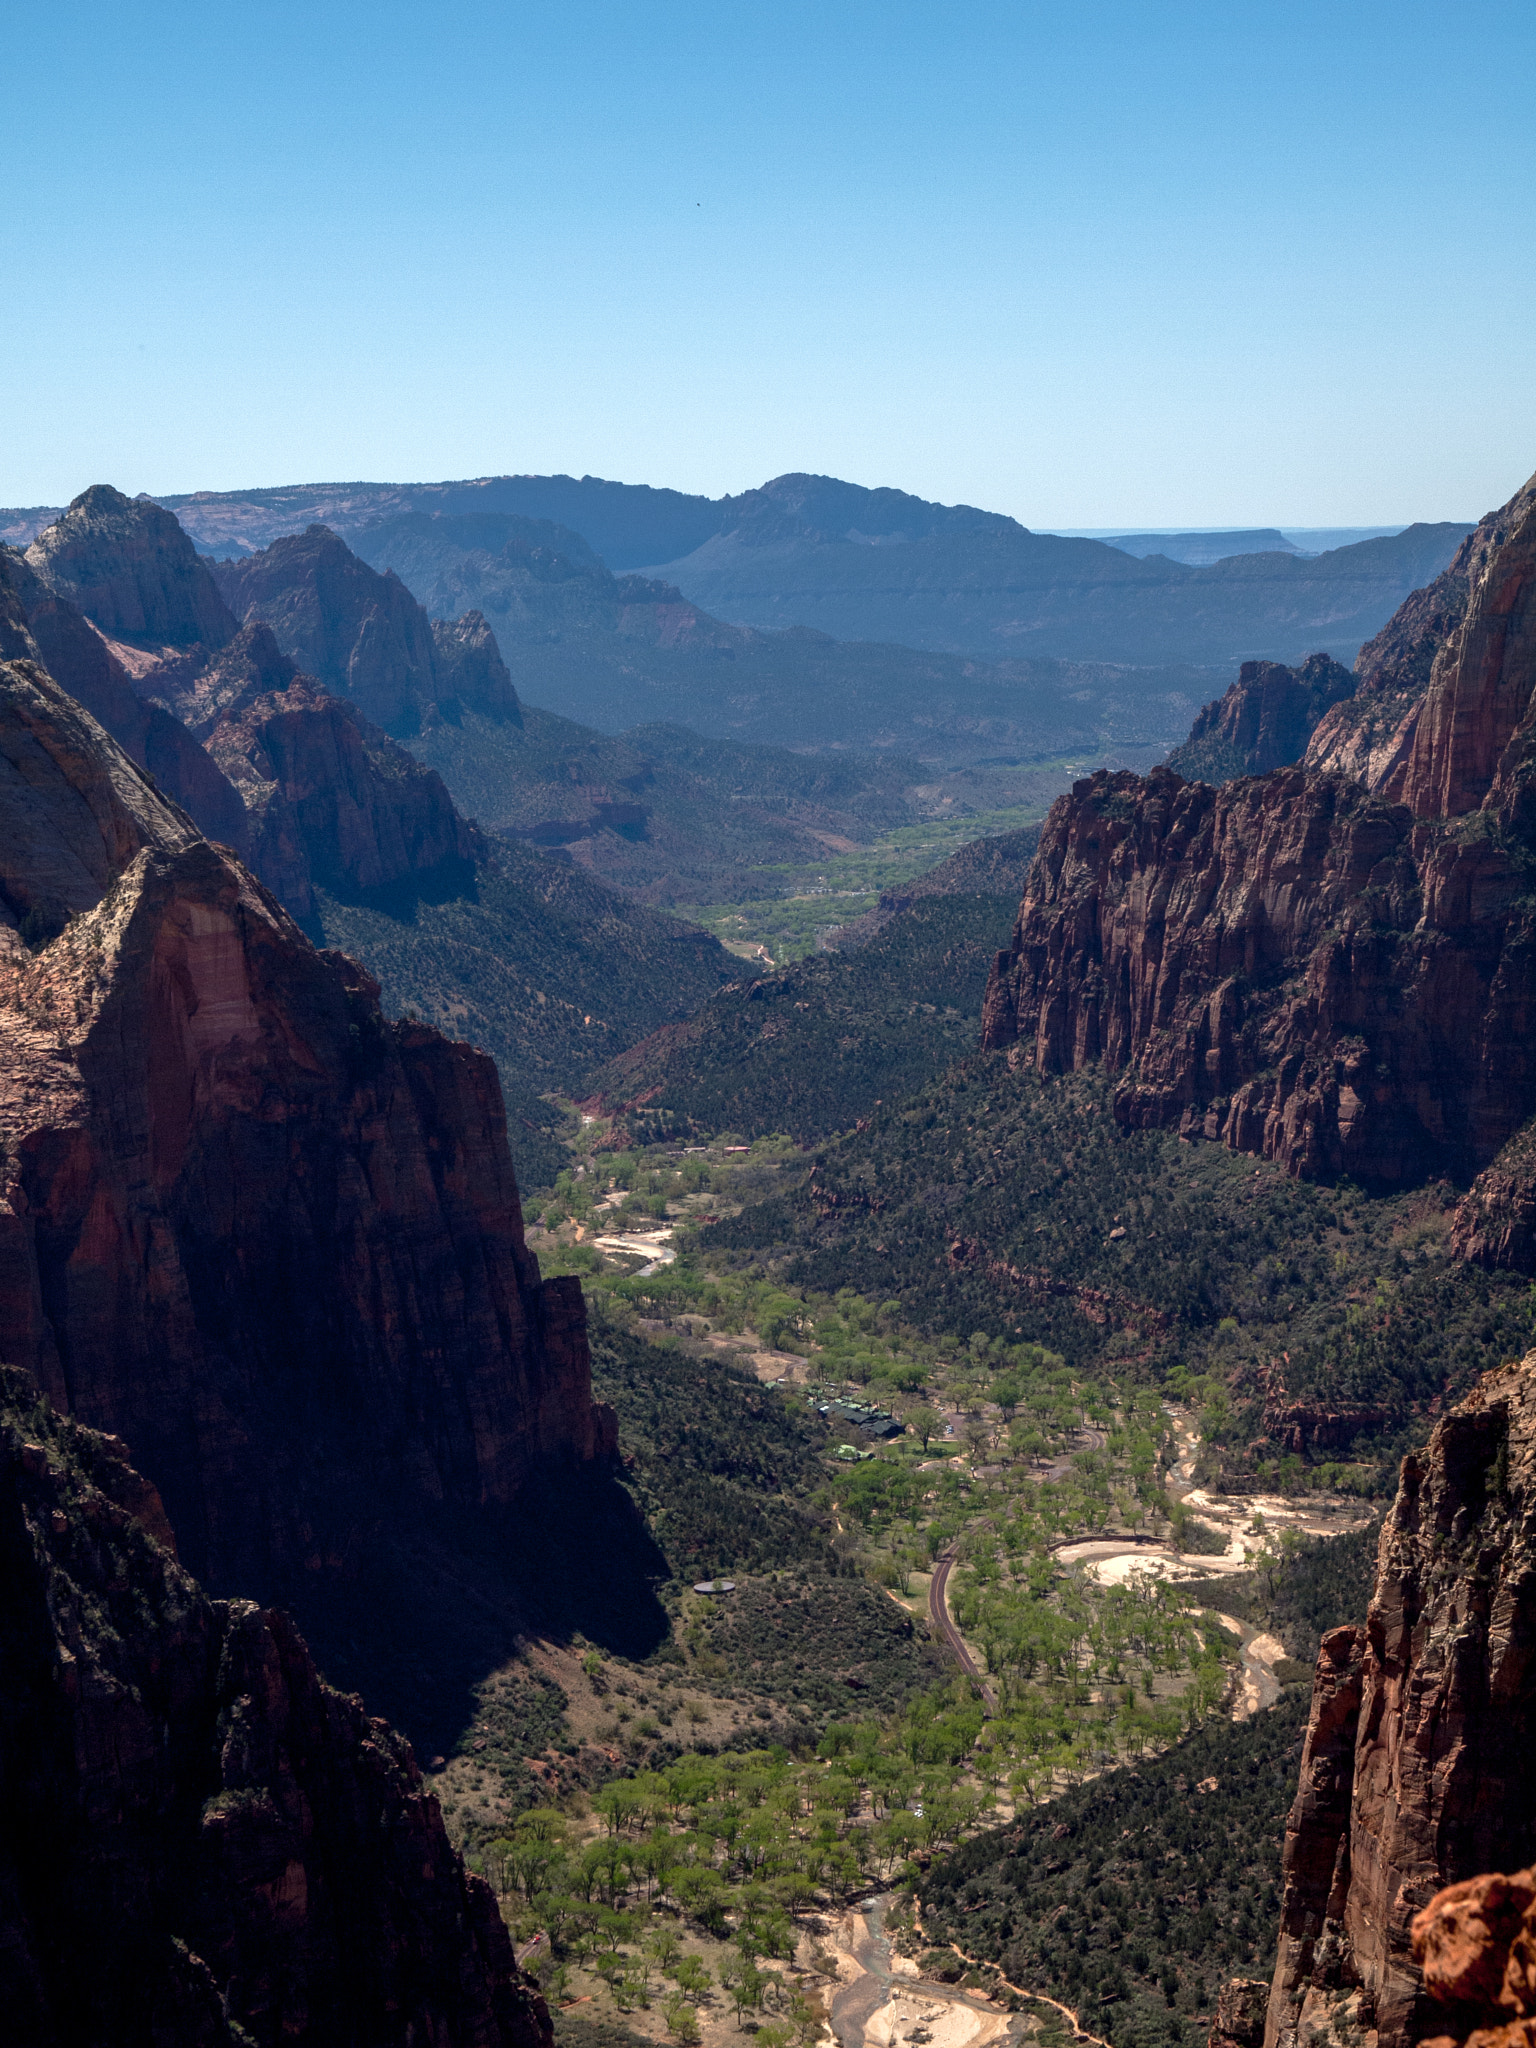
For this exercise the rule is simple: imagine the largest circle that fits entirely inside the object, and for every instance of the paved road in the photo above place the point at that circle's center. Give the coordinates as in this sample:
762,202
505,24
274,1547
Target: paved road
938,1609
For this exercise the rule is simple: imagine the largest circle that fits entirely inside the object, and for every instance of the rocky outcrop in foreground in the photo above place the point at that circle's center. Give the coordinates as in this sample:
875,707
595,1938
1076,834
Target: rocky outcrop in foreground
1299,964
269,1238
201,1842
1476,1946
1419,1768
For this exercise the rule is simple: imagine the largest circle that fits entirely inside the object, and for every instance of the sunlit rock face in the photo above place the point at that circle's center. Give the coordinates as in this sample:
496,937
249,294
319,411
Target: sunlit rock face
1330,965
267,1237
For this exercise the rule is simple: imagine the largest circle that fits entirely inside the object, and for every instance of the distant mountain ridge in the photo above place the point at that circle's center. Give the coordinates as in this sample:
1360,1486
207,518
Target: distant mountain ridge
617,651
886,566
984,586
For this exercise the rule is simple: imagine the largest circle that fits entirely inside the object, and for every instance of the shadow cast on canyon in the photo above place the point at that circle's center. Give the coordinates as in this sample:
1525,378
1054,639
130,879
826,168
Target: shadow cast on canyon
422,1614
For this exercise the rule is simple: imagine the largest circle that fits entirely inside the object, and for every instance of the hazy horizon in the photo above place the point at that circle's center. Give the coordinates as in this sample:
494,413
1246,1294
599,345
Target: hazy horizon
1292,530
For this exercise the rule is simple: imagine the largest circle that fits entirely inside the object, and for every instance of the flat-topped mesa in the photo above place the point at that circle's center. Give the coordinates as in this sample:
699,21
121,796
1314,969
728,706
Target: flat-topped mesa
1419,1768
247,1224
1294,964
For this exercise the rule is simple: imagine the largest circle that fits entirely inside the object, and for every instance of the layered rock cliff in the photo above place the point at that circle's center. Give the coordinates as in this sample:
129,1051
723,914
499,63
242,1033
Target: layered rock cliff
329,802
1297,964
302,786
1419,1767
267,1237
131,569
202,1843
1285,964
471,671
332,804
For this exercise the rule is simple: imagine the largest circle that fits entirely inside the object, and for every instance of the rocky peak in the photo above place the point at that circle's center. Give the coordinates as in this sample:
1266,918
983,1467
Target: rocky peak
1264,721
359,633
470,668
1481,686
1419,1768
128,566
1453,660
251,665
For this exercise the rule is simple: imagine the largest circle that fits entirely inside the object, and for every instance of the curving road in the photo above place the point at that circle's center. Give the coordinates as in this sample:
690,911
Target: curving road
943,1621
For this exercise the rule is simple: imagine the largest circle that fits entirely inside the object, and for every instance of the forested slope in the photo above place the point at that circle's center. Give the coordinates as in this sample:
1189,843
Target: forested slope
541,965
813,1048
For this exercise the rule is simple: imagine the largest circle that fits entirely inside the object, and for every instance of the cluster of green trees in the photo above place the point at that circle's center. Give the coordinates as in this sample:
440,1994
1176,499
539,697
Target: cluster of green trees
1078,1666
742,1845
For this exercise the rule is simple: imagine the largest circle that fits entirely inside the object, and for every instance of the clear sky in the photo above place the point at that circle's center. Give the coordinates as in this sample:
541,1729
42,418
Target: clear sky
1090,263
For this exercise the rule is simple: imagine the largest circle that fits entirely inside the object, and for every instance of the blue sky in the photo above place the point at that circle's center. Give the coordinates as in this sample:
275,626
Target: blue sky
1091,264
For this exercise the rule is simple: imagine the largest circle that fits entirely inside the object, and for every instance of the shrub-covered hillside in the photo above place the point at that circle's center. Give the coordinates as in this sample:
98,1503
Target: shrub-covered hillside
725,1473
548,970
1135,1897
812,1049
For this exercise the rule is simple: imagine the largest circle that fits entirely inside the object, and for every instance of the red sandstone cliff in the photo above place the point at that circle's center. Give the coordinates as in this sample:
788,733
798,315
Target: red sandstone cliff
1420,1761
201,1842
134,573
295,779
329,801
1296,964
247,1224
